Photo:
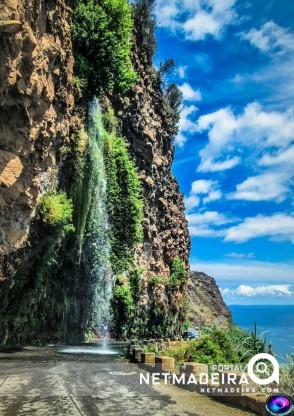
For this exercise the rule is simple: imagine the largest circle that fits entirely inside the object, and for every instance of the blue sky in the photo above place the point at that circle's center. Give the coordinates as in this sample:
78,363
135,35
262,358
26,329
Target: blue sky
234,151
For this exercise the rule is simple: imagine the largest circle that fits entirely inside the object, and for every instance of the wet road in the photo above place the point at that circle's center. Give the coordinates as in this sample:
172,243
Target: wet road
43,382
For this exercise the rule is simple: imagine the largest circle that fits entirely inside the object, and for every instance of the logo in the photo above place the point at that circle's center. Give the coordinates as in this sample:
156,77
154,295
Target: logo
262,368
279,404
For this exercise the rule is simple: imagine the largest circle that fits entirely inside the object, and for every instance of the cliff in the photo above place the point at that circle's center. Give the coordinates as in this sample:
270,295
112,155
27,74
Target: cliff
36,99
52,283
205,302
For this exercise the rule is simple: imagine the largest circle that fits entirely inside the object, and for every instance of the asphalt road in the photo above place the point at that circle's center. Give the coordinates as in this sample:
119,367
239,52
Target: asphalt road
43,382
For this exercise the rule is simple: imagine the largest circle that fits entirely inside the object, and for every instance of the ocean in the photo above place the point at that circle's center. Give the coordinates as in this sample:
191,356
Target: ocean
278,320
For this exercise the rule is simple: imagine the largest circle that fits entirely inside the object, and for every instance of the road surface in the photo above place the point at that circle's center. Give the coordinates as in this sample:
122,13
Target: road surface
44,382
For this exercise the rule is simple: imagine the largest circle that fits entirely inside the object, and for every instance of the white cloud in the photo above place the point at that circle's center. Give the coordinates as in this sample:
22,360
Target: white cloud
277,76
228,133
267,291
209,217
207,224
240,255
191,202
186,125
201,25
278,227
271,38
212,196
189,93
208,165
181,71
196,19
247,271
266,187
202,187
212,224
283,157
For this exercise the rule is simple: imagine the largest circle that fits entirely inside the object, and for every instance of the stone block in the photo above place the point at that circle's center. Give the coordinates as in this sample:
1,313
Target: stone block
136,356
147,358
164,363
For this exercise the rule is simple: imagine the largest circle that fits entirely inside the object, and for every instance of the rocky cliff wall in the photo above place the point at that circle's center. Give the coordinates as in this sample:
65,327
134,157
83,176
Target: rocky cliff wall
148,128
44,295
36,67
205,302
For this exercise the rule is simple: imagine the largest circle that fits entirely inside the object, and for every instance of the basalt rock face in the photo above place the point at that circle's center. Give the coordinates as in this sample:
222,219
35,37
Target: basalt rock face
36,66
42,296
148,128
205,302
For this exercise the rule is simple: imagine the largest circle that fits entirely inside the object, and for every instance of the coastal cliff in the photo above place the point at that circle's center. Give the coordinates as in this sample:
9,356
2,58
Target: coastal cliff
205,302
93,232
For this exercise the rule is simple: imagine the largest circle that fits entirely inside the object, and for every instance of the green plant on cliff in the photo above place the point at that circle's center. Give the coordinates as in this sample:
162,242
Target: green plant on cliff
123,306
135,277
156,280
55,210
178,272
124,203
102,34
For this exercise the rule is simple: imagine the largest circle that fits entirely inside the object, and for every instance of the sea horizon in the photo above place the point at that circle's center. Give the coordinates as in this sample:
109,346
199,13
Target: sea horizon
277,324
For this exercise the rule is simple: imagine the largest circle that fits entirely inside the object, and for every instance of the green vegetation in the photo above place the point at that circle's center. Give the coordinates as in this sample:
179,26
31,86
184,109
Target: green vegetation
156,280
222,347
102,34
55,210
246,344
123,306
135,278
178,272
186,324
124,202
165,68
215,348
286,384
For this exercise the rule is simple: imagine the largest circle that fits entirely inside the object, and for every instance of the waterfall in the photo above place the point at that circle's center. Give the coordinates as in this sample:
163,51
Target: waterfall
96,245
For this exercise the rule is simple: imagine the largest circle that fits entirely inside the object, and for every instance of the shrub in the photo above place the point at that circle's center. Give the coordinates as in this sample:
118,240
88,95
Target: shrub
135,277
204,351
178,272
210,349
186,324
125,203
122,306
102,32
56,210
156,280
247,343
222,339
286,384
165,68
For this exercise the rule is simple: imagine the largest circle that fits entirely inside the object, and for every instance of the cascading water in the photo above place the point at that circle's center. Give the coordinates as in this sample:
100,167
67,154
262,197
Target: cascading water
96,245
